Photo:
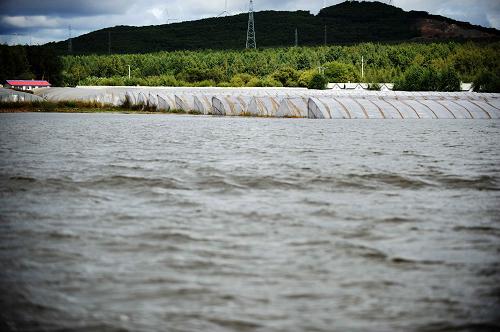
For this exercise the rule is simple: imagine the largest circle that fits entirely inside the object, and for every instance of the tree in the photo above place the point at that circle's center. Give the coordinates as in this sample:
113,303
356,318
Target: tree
449,80
341,72
287,76
487,82
317,82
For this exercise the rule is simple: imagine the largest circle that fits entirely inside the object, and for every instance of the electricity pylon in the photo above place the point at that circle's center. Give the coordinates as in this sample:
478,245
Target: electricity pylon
251,42
225,12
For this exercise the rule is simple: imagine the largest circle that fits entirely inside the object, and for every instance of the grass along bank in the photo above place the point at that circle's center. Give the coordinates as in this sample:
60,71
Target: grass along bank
83,107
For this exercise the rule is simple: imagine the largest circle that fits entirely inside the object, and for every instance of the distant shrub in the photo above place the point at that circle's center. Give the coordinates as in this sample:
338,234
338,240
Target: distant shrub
449,80
341,72
487,82
287,76
374,87
254,82
418,78
306,77
318,82
204,83
237,82
271,82
245,78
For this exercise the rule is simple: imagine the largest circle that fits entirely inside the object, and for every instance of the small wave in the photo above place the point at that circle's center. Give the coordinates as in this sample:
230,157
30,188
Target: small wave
133,181
466,327
309,243
479,229
324,213
371,181
304,296
370,284
264,182
62,235
236,324
23,179
483,182
394,180
364,251
397,220
401,260
171,236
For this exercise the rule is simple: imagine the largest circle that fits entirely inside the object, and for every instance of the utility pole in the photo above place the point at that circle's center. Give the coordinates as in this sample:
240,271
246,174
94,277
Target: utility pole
128,71
362,67
251,40
109,42
296,37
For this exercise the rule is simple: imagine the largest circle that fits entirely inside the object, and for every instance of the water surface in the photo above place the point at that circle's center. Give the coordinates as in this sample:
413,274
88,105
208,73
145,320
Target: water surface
178,223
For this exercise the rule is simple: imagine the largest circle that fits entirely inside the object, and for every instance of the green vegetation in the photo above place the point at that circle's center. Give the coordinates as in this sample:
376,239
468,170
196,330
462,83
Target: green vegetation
28,62
487,82
345,23
341,72
414,66
82,107
418,78
318,82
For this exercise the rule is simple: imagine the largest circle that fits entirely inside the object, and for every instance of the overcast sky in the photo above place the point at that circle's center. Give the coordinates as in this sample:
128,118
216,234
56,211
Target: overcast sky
41,21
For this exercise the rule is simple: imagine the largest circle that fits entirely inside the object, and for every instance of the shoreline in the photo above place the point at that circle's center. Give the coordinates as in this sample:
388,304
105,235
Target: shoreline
89,111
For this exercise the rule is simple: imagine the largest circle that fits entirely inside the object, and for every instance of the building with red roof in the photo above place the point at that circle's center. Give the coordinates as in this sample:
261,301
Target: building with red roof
26,85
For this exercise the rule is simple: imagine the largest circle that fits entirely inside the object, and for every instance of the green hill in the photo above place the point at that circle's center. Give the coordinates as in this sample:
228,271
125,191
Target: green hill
345,23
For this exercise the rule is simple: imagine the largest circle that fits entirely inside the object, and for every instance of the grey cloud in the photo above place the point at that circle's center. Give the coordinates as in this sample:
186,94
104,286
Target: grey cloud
63,7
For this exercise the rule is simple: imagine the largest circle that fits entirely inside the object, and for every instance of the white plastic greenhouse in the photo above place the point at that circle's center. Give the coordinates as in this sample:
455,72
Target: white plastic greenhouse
288,102
8,95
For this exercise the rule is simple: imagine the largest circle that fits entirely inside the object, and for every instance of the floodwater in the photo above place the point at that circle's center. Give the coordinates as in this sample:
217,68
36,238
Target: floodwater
114,222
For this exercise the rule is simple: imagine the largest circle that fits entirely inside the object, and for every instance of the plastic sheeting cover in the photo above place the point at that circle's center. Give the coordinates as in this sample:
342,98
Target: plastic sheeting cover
264,106
292,108
8,95
230,105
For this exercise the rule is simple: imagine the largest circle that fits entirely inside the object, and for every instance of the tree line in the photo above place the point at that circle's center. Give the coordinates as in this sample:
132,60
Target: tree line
412,66
30,62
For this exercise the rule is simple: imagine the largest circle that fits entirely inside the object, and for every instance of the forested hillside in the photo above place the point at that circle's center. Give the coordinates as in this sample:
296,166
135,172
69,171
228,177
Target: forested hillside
345,23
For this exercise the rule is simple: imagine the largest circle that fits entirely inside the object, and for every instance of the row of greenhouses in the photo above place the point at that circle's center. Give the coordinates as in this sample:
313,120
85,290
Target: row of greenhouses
287,102
8,95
